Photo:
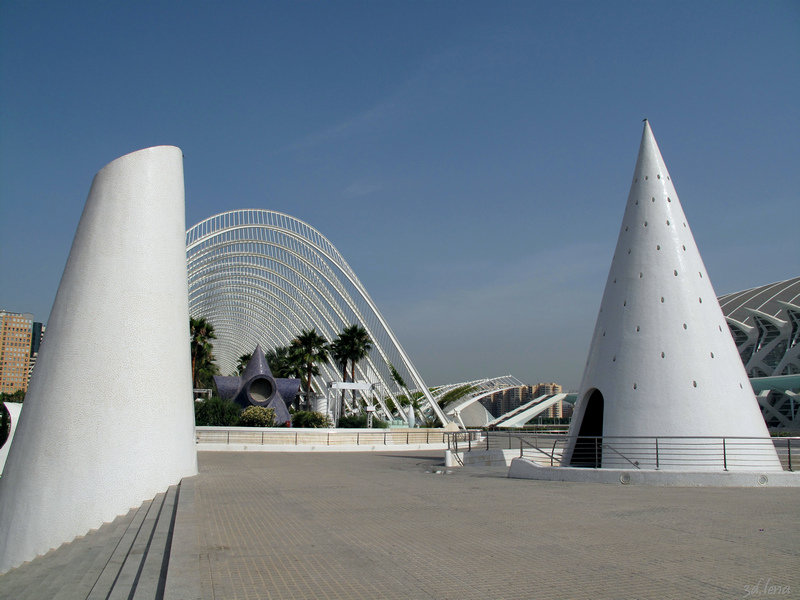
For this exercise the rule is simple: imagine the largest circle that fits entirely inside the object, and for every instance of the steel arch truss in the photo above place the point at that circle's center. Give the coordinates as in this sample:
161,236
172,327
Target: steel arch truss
261,276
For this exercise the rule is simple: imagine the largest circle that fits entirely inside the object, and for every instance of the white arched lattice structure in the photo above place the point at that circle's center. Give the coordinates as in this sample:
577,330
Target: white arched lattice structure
261,276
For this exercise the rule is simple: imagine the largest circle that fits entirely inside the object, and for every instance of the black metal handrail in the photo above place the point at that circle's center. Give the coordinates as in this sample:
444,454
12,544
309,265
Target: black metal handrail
638,452
661,452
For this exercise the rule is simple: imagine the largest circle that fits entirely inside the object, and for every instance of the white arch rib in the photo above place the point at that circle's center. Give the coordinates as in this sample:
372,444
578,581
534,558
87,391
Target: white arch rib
261,276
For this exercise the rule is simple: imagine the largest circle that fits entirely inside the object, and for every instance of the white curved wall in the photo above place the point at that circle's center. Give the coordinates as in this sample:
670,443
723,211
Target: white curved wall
108,420
661,354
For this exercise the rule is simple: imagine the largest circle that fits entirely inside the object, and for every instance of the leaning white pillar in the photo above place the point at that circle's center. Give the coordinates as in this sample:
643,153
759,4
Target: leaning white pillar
108,420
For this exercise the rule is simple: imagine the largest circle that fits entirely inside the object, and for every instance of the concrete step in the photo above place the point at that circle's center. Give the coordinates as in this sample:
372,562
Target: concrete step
153,573
125,559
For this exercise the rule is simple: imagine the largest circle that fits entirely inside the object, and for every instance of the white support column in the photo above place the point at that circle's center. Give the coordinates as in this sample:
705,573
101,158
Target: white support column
108,420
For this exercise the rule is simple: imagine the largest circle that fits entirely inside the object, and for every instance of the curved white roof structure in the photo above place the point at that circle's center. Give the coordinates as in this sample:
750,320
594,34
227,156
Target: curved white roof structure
765,324
261,276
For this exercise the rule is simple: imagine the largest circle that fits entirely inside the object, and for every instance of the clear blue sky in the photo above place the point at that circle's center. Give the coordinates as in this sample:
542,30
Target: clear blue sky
471,160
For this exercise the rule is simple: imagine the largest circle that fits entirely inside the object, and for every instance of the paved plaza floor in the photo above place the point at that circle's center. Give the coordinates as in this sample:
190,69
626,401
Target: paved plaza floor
398,525
395,525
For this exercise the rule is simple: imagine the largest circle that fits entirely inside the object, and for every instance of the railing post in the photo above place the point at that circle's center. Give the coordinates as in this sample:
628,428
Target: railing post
520,447
427,436
597,442
262,438
228,443
553,452
657,465
384,438
358,438
789,451
487,440
408,433
469,442
295,438
724,456
329,438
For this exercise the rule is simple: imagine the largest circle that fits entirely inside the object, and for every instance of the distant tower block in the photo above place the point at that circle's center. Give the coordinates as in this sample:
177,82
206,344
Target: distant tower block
662,361
109,415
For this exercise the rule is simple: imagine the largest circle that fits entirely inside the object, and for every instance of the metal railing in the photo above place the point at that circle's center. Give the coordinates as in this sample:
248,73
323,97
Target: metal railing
317,437
478,439
637,452
464,441
664,452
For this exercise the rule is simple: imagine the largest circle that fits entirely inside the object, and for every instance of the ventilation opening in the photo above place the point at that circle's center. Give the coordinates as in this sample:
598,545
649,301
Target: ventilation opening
589,445
261,390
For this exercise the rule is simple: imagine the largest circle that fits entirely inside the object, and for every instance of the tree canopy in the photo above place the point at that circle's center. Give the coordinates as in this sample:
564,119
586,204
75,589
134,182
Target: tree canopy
202,352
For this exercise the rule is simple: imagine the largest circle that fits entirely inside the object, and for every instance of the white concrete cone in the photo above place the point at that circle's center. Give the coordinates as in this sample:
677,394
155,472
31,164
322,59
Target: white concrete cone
108,420
662,361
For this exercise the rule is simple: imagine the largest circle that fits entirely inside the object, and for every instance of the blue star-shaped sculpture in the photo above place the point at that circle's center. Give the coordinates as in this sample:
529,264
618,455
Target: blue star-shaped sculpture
257,387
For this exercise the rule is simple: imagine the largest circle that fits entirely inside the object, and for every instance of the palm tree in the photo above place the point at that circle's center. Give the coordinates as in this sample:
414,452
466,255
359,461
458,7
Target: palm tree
354,343
312,349
340,352
241,364
284,361
203,367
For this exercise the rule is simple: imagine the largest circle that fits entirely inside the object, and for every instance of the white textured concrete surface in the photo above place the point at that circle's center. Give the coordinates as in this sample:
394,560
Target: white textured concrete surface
662,354
481,458
524,468
14,408
108,420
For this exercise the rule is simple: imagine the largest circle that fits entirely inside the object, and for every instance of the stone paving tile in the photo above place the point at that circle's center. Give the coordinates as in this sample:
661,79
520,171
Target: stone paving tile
374,526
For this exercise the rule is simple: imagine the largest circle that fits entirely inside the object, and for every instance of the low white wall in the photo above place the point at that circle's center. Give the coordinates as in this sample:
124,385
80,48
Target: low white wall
523,468
480,458
318,447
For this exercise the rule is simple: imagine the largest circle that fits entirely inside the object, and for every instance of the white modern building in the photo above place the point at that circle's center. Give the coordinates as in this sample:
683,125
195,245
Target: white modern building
765,325
260,277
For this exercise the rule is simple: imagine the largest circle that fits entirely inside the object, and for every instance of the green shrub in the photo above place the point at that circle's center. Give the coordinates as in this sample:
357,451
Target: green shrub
17,396
216,412
360,422
310,419
257,416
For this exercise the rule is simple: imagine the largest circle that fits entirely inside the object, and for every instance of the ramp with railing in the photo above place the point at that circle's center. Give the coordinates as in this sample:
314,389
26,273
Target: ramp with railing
638,452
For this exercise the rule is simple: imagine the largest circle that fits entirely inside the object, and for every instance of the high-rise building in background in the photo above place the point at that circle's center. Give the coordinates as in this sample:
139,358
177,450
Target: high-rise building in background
16,331
501,402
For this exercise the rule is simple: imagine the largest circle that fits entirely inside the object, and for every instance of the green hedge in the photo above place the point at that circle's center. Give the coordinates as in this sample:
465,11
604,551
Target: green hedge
360,422
216,412
309,419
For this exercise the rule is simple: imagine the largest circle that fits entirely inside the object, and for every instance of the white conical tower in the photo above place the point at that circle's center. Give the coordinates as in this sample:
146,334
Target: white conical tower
109,415
662,361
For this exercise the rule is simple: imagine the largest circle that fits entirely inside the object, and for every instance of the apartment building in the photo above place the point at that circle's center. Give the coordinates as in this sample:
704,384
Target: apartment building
16,331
